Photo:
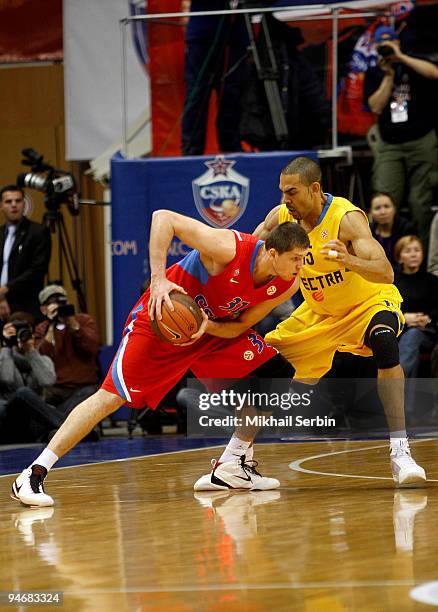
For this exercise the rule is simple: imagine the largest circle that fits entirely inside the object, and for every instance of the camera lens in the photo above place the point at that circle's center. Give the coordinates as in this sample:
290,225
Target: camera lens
385,50
33,181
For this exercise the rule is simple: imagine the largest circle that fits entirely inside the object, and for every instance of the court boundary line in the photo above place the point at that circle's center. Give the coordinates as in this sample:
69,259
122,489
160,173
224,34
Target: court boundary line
184,450
296,466
67,467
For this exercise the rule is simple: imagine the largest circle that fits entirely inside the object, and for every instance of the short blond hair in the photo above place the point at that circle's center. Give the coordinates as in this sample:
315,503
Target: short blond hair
403,242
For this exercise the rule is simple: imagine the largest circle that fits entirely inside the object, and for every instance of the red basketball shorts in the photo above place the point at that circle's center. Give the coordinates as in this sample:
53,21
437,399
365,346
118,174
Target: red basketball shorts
146,368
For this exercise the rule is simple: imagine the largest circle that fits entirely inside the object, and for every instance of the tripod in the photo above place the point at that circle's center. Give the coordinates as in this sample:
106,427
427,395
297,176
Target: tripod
268,73
54,219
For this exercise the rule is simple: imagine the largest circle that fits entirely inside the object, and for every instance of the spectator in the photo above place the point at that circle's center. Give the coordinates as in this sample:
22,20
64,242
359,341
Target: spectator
25,254
419,290
72,342
215,57
386,225
398,90
432,261
25,417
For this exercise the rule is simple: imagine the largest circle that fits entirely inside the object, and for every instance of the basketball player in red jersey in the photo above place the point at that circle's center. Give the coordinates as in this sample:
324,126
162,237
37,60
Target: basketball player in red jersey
227,273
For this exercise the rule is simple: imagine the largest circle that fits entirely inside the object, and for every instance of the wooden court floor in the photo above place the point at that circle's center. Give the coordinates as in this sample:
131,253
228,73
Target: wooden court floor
132,535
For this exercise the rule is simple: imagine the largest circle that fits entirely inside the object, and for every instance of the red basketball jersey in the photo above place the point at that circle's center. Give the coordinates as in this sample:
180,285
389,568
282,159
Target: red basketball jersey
146,367
228,294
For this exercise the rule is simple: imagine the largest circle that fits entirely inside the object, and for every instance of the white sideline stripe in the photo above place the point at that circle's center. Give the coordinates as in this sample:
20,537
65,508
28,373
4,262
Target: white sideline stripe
67,467
248,586
119,367
239,237
296,465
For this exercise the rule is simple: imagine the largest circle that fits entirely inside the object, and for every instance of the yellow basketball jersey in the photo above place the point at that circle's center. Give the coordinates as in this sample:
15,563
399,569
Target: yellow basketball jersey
327,286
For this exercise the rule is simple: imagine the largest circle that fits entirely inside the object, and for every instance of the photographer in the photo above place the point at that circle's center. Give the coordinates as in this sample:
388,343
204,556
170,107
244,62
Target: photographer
25,248
25,417
71,341
399,91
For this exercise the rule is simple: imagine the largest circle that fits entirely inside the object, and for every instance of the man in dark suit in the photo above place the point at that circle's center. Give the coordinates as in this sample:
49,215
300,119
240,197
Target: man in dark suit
25,248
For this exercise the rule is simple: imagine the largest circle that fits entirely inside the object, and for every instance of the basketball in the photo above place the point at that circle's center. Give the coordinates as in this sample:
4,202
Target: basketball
178,326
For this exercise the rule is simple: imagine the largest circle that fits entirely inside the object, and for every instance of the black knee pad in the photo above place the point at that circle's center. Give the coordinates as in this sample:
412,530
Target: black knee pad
383,340
384,317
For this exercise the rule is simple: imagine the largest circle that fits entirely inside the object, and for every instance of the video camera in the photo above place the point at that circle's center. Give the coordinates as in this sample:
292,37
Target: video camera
64,309
58,186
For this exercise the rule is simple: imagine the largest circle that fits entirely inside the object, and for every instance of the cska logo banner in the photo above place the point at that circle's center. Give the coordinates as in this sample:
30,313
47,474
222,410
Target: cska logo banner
221,193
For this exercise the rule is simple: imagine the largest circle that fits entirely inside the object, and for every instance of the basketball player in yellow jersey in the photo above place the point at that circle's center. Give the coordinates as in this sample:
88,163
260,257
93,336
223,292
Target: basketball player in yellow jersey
349,303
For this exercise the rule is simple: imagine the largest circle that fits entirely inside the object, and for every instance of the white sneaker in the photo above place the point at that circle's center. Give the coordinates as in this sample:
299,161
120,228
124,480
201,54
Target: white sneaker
405,471
235,474
28,488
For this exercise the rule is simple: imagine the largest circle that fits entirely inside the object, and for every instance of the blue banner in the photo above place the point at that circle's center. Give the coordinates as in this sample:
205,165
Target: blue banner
232,191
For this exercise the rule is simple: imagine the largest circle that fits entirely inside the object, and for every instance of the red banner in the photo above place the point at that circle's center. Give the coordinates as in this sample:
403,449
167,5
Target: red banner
30,31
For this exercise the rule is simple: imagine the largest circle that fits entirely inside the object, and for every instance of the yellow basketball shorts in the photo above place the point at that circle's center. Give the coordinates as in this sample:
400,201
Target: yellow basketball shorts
309,340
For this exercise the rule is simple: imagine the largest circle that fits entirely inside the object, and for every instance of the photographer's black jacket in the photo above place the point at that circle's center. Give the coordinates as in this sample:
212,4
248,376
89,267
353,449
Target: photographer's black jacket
28,265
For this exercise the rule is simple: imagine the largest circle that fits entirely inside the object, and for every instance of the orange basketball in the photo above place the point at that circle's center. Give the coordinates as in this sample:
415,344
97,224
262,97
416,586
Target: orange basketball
179,325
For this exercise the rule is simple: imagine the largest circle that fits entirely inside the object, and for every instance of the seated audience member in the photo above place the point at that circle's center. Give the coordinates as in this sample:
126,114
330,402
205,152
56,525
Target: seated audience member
432,261
387,226
24,373
71,341
419,290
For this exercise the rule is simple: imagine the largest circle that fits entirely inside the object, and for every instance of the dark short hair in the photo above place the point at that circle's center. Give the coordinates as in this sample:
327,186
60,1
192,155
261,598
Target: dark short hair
287,236
308,170
10,188
378,194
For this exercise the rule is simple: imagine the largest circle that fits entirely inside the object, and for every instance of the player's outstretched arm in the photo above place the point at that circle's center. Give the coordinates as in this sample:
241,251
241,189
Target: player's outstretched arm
263,230
217,246
250,317
368,258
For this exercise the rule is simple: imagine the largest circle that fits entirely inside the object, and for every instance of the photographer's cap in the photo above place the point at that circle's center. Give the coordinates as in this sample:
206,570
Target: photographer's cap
49,291
384,33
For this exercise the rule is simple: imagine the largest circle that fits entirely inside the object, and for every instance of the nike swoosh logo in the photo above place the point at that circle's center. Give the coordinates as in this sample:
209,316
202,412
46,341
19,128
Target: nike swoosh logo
135,390
232,280
242,478
18,487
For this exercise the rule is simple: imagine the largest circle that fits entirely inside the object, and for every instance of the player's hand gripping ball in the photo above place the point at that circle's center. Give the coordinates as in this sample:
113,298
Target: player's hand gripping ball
179,325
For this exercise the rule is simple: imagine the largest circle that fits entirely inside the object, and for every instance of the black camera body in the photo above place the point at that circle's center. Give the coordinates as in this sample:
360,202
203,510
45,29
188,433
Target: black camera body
385,50
24,332
57,185
64,309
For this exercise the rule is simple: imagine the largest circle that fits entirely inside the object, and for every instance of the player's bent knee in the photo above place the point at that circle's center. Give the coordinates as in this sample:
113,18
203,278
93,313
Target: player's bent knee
107,402
384,344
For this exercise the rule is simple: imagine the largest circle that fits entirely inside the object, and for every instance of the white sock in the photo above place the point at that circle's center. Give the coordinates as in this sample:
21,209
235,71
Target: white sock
235,449
47,459
250,452
398,435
